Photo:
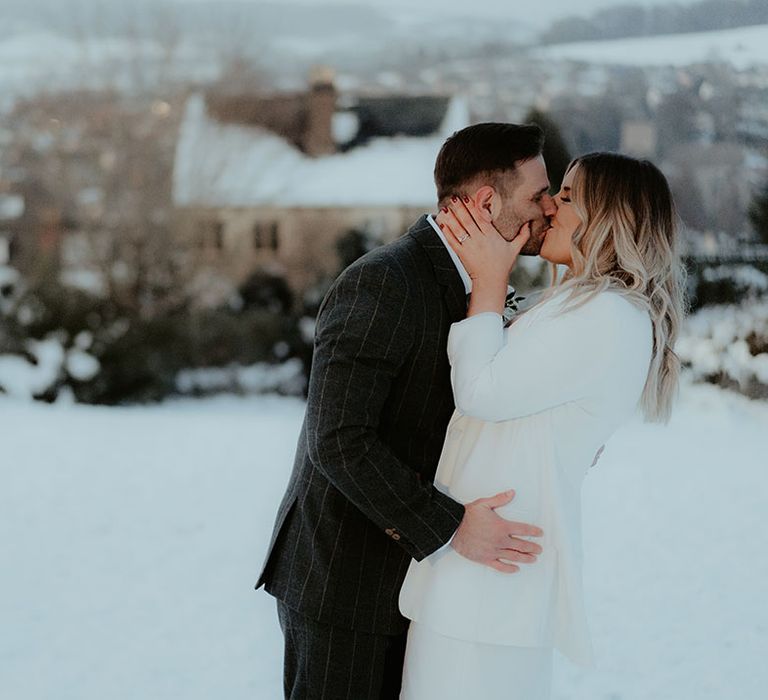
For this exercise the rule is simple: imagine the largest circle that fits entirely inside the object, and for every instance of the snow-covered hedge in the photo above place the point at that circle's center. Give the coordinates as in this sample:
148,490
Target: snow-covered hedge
731,283
57,342
49,369
45,367
728,345
262,378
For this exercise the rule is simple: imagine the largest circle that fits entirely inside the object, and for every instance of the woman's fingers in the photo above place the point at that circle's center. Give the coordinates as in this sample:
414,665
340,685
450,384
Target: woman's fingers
460,209
521,238
479,245
476,212
450,225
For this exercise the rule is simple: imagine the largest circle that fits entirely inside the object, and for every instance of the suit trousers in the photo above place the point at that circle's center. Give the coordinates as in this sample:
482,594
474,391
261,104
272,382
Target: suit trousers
323,662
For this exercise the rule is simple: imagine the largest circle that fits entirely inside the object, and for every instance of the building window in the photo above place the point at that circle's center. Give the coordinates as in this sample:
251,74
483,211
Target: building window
265,236
218,235
210,234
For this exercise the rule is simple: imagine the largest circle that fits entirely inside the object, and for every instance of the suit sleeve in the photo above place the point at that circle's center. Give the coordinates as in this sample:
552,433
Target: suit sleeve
363,337
562,357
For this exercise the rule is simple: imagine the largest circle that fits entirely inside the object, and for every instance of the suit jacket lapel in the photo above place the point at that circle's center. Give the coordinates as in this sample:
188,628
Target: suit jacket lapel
445,271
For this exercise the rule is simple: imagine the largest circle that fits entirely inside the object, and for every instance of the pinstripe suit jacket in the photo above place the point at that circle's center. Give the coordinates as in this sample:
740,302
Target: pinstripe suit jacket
360,501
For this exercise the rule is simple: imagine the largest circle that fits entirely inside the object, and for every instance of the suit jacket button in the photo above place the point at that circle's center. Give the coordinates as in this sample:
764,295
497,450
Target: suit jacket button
395,536
389,531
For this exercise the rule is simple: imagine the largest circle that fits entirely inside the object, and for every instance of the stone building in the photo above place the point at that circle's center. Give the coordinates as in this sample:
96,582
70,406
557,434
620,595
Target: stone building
272,182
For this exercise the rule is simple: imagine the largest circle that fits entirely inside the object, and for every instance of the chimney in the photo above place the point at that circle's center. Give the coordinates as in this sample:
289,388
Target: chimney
321,105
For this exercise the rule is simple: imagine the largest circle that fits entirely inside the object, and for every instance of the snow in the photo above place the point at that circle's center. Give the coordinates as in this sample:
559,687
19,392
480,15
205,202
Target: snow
746,276
8,275
714,340
344,126
91,281
81,365
132,538
26,377
11,206
744,48
229,165
261,378
23,379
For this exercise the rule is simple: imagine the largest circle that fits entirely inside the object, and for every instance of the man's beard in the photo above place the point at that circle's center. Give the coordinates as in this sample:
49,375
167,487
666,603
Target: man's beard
509,226
533,244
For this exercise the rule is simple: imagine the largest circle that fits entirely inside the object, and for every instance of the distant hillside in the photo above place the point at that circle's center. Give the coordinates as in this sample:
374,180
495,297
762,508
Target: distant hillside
637,21
742,47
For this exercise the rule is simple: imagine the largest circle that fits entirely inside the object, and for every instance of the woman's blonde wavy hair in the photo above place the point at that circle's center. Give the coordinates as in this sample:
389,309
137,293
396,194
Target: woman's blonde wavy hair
628,244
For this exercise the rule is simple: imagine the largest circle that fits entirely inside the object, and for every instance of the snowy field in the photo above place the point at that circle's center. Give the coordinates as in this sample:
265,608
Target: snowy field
744,47
130,539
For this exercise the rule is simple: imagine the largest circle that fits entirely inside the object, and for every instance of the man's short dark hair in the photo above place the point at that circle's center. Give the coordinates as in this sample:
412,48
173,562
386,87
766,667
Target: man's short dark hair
489,149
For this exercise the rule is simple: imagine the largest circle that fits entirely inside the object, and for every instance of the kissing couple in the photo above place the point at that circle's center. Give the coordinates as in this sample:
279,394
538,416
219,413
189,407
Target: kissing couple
428,546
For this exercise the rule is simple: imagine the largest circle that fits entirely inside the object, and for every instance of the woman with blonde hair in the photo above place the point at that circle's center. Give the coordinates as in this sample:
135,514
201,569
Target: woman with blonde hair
534,404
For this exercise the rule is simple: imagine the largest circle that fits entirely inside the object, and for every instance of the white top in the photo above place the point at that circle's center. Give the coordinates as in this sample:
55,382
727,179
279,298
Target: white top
534,403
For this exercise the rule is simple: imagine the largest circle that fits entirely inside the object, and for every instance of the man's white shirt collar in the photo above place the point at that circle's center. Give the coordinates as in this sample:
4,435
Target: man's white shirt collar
465,278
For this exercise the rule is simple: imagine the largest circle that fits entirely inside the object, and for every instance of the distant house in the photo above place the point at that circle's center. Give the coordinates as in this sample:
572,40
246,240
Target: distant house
273,182
712,185
639,138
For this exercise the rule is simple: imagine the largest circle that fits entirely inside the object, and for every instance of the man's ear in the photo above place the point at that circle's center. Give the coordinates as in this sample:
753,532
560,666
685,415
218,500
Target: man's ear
488,201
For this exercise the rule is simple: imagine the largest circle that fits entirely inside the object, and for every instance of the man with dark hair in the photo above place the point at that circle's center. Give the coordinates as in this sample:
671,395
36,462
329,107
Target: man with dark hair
505,158
360,502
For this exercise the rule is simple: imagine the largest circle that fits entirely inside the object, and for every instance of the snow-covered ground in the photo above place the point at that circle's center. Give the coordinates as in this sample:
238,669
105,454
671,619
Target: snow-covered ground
743,47
130,539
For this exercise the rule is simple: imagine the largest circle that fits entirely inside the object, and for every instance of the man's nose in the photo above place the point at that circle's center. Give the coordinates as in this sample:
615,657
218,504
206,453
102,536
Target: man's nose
548,206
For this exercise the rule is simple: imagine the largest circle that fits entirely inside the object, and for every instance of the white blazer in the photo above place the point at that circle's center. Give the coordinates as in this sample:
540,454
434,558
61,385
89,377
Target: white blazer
534,403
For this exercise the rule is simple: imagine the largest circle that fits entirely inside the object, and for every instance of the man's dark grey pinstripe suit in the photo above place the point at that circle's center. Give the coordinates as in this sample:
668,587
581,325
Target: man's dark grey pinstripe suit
360,502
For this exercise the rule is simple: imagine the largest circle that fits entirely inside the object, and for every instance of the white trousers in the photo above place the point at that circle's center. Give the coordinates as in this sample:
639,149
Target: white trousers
442,668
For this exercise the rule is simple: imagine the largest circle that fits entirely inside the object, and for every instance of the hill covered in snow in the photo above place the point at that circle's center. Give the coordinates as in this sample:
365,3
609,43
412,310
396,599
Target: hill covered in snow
744,47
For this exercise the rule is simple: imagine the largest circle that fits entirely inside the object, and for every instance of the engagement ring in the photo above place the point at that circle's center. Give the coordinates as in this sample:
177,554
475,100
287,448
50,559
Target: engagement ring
463,238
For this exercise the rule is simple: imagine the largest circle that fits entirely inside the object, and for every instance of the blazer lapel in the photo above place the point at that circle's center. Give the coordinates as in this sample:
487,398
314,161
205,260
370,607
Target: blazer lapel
445,271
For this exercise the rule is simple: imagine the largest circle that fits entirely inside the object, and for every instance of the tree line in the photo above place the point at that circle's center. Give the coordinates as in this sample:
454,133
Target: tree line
635,20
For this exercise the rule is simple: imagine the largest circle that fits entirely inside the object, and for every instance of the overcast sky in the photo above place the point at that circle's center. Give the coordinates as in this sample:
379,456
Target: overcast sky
532,11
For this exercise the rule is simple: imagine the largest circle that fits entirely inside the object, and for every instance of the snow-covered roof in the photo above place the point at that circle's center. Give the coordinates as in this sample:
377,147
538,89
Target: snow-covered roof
221,164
